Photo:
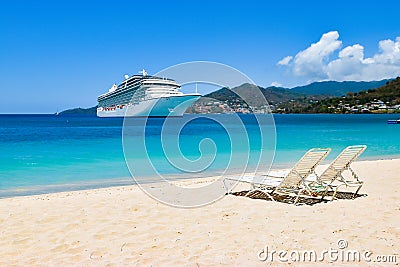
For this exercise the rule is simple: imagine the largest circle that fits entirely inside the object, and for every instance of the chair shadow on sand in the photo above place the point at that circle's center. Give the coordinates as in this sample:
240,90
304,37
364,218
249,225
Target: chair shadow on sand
301,201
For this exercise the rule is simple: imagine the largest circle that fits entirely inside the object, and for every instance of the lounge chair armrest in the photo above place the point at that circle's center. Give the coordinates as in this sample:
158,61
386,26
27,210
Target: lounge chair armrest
273,176
352,183
279,174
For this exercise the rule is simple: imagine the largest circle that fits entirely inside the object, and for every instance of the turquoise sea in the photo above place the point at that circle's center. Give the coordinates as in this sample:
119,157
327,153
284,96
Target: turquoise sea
45,153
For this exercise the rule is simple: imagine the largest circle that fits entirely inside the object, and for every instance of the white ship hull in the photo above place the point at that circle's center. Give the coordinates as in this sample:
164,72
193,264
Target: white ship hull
156,107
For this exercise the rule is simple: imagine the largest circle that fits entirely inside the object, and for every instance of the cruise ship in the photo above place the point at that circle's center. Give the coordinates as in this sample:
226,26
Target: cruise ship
144,96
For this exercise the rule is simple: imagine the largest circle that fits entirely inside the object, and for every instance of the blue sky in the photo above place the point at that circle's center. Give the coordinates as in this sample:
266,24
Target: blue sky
62,54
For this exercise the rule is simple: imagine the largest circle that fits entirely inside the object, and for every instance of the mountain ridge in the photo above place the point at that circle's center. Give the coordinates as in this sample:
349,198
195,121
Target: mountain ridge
335,88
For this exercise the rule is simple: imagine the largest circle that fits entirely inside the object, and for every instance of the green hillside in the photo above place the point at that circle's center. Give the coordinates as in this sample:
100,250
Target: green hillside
380,100
250,92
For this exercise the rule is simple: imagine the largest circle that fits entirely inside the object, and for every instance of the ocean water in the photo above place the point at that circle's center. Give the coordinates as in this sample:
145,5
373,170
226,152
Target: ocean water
41,153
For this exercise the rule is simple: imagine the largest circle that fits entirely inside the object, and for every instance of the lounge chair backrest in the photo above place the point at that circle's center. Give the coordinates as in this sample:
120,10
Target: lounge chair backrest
304,167
341,163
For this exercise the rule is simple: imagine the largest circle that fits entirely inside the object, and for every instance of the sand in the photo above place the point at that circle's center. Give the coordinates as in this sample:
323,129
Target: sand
123,226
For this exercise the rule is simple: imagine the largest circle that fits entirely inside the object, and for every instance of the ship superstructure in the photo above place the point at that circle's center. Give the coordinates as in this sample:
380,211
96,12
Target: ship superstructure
145,95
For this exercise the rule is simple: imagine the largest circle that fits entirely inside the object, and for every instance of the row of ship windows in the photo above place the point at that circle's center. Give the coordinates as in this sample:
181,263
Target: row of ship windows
121,99
121,92
161,92
136,82
121,86
161,84
124,85
126,96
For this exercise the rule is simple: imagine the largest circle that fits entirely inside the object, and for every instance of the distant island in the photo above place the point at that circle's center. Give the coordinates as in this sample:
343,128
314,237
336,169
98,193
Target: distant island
318,97
79,111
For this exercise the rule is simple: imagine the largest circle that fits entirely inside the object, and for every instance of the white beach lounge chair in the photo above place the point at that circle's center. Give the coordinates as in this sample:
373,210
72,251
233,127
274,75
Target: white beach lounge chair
332,178
333,175
290,180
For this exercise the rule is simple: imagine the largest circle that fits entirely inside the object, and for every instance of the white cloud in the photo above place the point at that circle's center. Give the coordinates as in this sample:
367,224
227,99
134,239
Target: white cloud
285,61
348,65
390,52
276,84
314,63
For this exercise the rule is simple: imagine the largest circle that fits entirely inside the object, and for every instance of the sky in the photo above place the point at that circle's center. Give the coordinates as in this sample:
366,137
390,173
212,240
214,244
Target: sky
61,54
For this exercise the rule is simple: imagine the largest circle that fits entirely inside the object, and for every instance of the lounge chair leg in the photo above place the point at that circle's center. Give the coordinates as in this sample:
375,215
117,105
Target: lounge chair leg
270,196
297,197
358,189
334,194
248,193
252,189
226,187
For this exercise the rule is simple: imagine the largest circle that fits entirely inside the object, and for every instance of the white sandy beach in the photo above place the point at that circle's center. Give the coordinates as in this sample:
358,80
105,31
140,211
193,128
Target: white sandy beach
123,226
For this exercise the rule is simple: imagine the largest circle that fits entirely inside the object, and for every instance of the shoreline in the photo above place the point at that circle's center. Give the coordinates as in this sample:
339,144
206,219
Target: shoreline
129,181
